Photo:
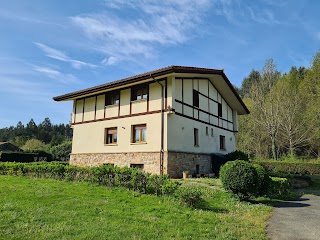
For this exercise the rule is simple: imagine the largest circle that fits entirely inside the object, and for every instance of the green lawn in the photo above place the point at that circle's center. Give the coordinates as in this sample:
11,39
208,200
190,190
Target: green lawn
50,209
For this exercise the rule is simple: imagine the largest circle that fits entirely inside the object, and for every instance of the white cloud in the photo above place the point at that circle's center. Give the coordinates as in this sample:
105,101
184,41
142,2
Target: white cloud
164,22
55,74
110,61
61,56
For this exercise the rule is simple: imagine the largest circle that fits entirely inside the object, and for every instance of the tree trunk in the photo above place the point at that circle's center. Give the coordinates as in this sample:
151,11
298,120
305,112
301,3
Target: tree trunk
273,148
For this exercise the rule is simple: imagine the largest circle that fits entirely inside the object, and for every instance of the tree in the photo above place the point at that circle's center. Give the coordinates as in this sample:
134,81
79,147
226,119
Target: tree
34,145
293,128
266,105
253,78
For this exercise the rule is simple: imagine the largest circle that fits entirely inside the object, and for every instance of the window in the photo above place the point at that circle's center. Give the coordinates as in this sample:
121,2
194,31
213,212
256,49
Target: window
222,142
111,135
112,98
219,109
207,131
139,133
197,168
211,132
139,93
195,98
196,136
139,166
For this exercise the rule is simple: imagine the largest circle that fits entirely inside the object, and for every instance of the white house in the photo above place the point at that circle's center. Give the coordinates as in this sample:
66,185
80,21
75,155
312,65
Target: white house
167,121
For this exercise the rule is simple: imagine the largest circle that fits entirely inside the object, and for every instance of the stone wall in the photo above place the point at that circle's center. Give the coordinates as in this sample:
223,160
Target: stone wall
174,162
182,161
151,160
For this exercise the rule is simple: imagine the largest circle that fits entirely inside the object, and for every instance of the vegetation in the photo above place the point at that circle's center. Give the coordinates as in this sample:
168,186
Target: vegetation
44,137
111,176
50,209
285,117
241,178
300,168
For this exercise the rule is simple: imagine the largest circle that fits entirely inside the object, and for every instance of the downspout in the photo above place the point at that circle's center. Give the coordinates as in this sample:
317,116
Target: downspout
162,125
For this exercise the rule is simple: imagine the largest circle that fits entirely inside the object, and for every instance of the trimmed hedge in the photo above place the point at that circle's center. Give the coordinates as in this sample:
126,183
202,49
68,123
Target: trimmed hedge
110,176
25,157
291,168
241,178
279,187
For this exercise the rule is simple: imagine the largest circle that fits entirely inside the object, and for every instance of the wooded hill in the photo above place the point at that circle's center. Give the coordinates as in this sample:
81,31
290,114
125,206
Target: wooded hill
285,112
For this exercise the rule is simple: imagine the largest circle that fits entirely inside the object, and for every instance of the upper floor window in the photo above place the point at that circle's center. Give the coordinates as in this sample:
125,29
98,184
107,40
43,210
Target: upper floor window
139,133
140,92
111,135
222,142
195,98
219,109
112,98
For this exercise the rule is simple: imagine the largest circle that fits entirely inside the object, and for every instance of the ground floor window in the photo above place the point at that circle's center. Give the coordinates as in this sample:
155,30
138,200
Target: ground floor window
222,142
139,166
196,136
111,135
139,133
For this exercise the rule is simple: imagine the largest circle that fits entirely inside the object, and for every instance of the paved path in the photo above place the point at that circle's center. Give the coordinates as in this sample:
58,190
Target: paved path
295,220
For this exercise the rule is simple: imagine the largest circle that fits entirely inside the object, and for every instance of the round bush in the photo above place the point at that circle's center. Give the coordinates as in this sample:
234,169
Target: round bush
263,180
240,177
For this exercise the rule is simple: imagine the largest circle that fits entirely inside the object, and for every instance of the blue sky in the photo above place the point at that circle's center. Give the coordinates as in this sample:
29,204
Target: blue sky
52,47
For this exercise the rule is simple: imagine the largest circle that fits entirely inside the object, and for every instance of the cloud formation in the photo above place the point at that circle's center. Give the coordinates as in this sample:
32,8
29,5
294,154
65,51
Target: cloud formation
61,56
159,23
55,74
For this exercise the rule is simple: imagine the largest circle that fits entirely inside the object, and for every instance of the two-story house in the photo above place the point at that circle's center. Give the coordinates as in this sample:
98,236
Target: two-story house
165,121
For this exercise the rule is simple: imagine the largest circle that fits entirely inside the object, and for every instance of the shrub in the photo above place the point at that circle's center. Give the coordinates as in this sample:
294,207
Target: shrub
279,187
237,155
189,195
240,177
62,151
110,176
25,157
263,180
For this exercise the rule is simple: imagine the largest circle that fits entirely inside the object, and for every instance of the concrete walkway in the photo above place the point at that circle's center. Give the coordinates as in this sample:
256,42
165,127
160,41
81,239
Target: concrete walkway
299,219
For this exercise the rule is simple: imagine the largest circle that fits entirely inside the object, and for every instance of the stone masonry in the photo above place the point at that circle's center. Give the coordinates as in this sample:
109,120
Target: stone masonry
174,162
151,160
183,161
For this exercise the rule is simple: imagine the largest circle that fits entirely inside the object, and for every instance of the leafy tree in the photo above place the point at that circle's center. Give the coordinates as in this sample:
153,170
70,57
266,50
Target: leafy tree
34,145
253,78
266,104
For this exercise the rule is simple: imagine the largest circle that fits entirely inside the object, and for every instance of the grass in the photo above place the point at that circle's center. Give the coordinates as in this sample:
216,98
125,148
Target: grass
51,209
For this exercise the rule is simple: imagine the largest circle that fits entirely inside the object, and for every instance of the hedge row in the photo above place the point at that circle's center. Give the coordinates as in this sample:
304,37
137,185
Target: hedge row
25,157
291,168
130,178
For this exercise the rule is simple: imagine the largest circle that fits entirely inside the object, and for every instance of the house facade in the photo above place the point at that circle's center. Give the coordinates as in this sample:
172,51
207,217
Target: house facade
167,121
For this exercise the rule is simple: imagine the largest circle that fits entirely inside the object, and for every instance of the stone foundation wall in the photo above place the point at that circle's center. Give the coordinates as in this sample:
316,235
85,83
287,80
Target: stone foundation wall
174,162
182,161
151,160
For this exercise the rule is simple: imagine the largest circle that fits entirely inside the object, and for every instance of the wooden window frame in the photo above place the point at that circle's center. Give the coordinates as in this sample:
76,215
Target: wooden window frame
222,142
139,127
111,132
196,137
112,98
140,92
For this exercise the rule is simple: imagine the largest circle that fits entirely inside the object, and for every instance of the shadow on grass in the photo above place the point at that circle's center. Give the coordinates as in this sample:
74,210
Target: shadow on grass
206,206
